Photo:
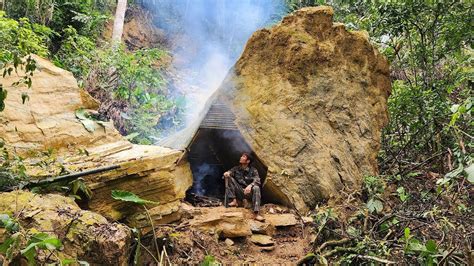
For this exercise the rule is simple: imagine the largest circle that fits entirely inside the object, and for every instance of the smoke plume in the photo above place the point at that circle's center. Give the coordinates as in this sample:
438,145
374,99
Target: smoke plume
207,37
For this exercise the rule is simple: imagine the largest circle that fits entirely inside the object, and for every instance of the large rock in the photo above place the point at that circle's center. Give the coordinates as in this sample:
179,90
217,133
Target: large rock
85,235
310,97
228,223
48,121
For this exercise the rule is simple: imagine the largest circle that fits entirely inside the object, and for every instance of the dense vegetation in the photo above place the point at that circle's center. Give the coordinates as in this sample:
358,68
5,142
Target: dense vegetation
70,33
426,159
420,207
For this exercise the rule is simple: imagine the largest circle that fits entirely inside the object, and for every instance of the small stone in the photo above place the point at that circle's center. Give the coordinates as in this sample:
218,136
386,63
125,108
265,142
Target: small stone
262,240
229,242
271,210
307,219
261,228
267,249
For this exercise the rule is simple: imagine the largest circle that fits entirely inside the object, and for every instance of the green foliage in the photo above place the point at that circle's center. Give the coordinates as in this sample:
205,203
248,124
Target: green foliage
373,187
141,87
403,194
86,16
20,242
427,252
209,260
41,241
19,39
78,186
76,53
130,197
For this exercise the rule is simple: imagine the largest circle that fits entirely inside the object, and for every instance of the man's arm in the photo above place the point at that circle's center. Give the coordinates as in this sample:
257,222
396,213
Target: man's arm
255,177
230,172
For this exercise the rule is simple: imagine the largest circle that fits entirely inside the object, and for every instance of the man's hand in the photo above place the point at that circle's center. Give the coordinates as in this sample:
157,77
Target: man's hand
248,189
227,174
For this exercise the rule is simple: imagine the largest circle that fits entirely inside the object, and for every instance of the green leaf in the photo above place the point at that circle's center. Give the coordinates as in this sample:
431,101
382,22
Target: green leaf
81,114
407,233
6,245
470,173
375,205
68,261
89,125
130,197
209,260
431,246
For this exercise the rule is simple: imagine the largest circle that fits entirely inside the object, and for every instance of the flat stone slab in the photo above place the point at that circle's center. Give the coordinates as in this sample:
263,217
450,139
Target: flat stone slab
285,219
262,240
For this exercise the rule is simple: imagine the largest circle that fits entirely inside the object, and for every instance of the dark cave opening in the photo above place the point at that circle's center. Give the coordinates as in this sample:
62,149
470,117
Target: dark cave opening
211,153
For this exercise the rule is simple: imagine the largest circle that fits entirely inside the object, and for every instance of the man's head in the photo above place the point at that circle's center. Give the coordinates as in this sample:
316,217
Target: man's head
245,159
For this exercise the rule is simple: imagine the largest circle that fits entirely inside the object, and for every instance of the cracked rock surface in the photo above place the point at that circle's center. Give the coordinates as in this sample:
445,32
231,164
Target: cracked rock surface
310,97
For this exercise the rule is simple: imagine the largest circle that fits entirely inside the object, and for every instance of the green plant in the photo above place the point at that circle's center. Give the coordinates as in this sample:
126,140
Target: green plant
137,85
77,187
131,197
373,187
403,194
427,252
209,260
19,40
76,53
20,242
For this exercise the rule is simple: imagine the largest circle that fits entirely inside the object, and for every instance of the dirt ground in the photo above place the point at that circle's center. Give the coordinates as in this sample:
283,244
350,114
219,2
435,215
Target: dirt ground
189,245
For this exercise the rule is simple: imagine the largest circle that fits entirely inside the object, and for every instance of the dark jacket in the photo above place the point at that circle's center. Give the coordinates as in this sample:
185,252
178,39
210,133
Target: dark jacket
245,176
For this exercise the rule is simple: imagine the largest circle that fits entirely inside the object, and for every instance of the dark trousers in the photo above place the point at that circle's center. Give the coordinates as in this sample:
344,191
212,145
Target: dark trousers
236,191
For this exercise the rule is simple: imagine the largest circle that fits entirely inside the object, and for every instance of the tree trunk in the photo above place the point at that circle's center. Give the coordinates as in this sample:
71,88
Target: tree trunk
119,20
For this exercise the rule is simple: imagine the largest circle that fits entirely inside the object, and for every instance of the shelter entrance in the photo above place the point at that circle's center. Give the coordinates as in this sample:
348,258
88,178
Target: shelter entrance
212,152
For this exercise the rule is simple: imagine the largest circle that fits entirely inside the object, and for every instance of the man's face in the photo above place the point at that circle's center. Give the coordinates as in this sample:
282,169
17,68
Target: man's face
244,159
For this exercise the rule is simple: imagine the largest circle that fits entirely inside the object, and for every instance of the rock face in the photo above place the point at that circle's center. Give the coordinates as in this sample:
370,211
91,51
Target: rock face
85,235
48,121
310,97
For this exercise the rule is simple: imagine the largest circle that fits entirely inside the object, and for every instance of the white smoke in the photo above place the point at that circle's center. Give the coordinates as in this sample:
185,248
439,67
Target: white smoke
209,36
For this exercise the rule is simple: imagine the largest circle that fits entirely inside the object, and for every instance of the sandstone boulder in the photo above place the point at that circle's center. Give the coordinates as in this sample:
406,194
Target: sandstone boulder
228,223
48,121
310,97
85,235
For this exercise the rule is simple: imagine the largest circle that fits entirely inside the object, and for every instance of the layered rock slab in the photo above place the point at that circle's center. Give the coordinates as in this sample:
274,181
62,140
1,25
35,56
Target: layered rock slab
48,121
85,235
310,97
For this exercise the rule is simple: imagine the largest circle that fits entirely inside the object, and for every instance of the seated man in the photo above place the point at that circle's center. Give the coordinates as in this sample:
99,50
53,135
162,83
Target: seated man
243,182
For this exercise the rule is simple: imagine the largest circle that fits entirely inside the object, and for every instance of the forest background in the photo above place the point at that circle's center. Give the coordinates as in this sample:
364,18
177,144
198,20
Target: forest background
427,143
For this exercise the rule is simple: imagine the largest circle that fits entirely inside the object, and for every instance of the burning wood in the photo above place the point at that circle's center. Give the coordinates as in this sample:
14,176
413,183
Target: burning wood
202,201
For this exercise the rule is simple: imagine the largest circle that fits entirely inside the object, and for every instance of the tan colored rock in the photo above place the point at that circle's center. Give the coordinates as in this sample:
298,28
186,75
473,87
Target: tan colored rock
310,97
85,235
229,242
225,222
261,228
267,249
284,219
47,119
262,240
